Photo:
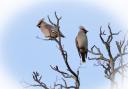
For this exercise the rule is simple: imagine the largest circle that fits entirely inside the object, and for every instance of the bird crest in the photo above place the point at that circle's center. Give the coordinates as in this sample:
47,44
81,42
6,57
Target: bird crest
83,29
39,22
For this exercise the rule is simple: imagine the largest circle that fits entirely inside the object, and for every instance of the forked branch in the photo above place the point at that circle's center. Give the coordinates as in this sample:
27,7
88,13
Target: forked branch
109,63
37,78
70,73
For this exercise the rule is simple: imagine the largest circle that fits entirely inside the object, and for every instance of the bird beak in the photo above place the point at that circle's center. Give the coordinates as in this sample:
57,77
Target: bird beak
38,25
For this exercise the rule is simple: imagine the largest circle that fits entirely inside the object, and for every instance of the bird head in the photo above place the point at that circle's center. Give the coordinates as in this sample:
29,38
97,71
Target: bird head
40,22
83,29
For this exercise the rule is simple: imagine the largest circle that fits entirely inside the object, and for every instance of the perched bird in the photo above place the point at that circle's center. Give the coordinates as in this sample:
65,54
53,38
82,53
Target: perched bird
48,30
82,43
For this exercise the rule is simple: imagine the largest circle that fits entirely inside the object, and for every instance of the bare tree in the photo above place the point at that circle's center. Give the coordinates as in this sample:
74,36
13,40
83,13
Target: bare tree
111,68
122,46
69,74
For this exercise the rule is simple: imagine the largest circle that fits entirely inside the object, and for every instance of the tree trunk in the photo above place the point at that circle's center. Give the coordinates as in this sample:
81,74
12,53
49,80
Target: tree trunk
122,71
112,74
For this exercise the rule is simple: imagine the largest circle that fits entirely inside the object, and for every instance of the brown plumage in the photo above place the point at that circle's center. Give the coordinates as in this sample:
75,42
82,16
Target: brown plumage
48,30
82,43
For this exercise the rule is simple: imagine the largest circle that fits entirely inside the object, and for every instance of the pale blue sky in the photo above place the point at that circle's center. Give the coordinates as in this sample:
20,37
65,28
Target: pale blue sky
26,53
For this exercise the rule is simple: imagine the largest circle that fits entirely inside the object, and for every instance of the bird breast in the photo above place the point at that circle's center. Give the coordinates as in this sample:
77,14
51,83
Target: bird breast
45,31
82,40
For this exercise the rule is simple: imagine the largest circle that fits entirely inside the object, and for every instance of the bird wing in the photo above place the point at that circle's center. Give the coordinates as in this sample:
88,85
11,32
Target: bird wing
86,47
77,46
53,29
86,53
48,26
56,29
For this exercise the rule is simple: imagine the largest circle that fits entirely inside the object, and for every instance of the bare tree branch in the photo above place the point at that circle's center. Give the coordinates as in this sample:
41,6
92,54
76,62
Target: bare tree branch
64,74
70,73
51,21
37,78
98,53
109,63
65,56
119,55
122,66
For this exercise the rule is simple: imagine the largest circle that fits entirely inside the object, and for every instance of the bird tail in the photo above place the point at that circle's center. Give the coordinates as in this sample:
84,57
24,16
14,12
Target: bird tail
86,53
62,35
83,57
